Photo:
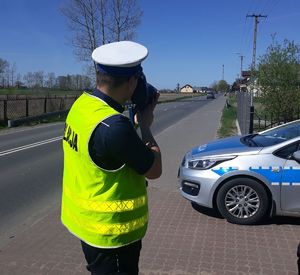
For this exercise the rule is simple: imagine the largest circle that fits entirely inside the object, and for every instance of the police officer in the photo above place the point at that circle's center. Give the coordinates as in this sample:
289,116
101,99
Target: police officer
104,201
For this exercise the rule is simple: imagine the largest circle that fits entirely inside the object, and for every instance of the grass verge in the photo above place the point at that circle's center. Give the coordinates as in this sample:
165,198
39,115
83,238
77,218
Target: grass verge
228,126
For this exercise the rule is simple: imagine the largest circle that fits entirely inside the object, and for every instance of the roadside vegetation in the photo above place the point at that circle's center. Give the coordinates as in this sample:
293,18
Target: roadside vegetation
279,82
228,120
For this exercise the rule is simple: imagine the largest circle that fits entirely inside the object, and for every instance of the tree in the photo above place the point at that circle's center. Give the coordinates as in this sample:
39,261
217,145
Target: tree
13,71
279,79
235,86
82,17
62,82
50,82
7,74
97,22
3,68
214,85
125,16
29,79
18,82
220,86
38,79
223,86
3,65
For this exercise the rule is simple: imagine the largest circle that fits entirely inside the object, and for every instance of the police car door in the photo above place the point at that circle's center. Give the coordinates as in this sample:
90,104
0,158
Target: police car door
290,181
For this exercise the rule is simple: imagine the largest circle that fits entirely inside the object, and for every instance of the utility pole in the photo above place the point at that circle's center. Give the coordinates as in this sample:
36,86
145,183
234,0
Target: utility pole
256,21
242,57
223,72
241,70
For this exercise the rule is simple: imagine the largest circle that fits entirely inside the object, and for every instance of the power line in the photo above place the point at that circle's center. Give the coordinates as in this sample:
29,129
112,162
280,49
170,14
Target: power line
267,5
270,9
245,34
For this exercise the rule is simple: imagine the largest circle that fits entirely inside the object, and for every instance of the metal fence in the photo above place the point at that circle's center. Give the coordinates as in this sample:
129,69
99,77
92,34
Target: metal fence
260,121
20,106
243,111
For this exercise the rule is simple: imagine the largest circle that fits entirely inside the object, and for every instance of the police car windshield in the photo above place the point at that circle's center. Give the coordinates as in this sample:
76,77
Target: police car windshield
278,135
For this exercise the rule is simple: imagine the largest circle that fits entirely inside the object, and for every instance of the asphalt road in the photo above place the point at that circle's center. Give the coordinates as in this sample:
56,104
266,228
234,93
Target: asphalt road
31,165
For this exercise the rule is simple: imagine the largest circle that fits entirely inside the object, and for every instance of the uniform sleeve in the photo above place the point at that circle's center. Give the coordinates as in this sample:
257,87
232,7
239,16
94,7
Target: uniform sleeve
125,146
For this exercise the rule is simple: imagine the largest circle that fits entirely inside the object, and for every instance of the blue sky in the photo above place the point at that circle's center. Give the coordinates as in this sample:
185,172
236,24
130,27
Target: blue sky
188,41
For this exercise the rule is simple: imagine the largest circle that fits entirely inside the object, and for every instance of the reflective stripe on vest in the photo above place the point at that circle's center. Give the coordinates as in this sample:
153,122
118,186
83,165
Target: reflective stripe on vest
110,229
106,206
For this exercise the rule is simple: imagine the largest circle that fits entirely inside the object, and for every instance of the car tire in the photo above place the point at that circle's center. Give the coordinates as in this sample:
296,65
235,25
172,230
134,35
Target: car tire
243,201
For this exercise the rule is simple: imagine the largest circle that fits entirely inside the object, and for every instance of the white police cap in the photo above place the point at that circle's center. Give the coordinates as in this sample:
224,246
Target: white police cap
120,54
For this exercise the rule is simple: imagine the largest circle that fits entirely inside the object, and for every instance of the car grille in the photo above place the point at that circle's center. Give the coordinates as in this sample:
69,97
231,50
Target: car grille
190,188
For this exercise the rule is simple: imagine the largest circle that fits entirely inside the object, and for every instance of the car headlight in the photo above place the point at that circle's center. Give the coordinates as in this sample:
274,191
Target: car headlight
206,163
183,161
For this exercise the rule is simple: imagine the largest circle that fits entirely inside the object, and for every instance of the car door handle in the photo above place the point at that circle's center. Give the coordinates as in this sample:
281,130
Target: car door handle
276,170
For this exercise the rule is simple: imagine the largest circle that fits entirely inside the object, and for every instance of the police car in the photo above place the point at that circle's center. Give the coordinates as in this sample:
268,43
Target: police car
246,178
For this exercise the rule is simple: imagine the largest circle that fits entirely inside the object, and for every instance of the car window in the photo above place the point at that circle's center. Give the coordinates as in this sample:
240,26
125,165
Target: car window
278,135
285,132
287,151
264,141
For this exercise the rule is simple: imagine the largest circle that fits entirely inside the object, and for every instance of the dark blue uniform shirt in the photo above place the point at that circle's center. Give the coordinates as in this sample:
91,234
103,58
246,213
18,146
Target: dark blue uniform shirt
115,142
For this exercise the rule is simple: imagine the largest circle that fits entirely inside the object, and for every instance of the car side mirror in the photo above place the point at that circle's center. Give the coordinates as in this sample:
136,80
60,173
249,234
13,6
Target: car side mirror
296,156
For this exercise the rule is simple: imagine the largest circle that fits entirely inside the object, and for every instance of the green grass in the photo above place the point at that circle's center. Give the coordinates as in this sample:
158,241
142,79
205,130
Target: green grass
228,127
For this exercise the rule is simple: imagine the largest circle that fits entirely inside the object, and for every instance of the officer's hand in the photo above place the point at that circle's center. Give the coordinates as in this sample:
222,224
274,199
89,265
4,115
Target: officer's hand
155,100
145,118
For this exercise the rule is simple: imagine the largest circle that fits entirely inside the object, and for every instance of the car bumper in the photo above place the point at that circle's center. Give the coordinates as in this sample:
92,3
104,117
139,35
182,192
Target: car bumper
198,185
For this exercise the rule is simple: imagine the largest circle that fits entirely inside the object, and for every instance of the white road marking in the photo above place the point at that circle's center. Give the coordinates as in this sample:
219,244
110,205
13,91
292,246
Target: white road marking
28,146
10,131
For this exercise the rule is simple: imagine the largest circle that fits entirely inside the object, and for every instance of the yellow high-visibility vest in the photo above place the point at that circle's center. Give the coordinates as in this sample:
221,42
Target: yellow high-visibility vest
102,208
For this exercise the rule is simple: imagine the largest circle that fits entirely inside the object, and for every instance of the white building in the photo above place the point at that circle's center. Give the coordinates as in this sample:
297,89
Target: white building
186,89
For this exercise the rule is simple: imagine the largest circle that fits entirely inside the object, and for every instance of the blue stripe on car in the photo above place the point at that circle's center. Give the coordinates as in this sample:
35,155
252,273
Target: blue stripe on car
267,173
276,175
223,170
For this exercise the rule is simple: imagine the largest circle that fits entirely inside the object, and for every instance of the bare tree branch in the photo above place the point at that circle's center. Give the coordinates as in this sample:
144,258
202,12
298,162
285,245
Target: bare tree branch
97,22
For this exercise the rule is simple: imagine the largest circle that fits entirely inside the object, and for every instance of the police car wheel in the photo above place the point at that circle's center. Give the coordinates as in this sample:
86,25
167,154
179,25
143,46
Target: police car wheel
242,201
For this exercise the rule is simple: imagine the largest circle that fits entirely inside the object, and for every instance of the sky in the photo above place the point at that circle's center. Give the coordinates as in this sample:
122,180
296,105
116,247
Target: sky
188,41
